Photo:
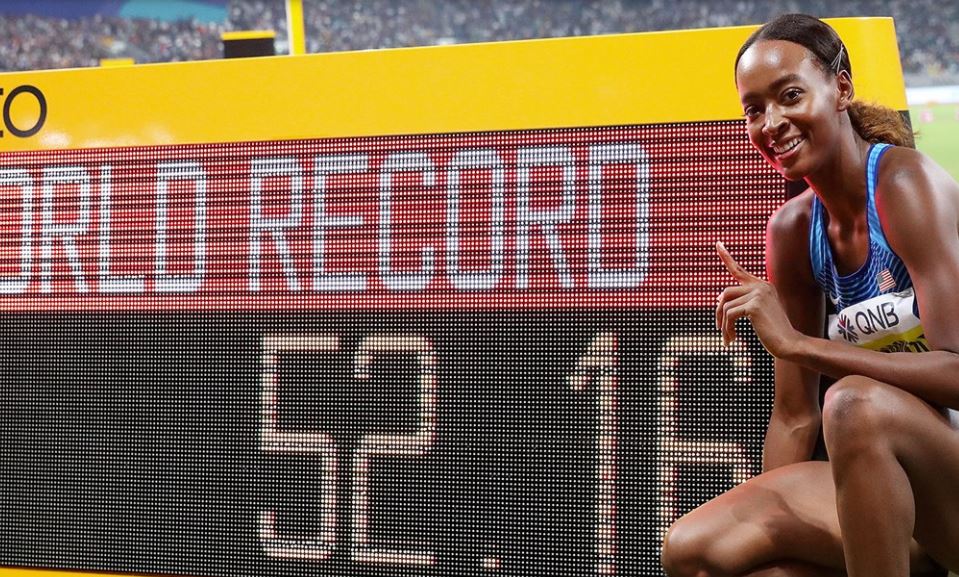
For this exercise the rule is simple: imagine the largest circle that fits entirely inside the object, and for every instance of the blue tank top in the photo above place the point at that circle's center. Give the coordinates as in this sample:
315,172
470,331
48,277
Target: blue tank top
875,307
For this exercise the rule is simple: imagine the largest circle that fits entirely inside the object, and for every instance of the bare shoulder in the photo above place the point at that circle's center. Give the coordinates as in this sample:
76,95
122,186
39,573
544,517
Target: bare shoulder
789,267
913,185
787,241
792,218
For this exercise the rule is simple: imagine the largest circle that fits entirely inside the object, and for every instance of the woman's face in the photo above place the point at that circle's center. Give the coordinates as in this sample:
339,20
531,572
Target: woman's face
791,106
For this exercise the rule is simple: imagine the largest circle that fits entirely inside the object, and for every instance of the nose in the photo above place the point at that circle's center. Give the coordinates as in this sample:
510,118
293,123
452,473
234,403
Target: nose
775,121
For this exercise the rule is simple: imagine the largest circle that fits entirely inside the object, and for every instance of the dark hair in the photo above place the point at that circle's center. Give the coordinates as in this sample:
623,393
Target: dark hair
873,122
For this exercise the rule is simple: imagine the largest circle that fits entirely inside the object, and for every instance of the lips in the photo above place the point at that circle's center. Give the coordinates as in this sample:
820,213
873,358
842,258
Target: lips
787,148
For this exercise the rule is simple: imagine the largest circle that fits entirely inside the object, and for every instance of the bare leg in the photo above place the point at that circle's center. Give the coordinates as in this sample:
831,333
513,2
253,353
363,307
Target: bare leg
896,465
873,495
795,569
783,522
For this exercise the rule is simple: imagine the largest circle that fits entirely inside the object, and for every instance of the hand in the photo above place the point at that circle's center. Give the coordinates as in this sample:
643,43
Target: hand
756,300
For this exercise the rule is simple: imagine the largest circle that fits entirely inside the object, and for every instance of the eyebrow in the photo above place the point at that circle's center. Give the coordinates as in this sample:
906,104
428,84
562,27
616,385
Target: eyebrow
775,86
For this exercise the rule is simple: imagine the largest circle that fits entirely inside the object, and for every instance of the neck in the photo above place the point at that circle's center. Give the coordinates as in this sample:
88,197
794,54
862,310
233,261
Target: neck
841,183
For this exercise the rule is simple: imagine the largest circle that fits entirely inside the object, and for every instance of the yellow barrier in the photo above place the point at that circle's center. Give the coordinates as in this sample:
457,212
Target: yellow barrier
569,82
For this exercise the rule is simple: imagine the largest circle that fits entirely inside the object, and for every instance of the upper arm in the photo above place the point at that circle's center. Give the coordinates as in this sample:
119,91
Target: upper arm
918,206
789,269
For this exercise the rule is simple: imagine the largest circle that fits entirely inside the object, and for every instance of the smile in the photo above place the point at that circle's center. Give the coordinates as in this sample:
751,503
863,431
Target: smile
785,148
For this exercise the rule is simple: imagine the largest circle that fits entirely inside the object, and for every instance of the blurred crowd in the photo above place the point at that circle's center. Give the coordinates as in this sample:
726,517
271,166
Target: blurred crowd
31,42
928,30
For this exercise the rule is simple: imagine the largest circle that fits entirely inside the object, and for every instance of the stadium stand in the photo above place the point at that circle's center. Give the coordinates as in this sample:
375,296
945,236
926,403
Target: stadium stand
928,29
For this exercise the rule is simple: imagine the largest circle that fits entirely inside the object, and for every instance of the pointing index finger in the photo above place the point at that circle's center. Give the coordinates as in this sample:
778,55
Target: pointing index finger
734,268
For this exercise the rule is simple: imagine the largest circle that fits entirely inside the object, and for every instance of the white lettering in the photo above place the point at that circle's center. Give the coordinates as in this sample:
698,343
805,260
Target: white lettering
261,169
546,219
21,178
110,283
474,279
167,172
323,280
402,162
599,277
65,231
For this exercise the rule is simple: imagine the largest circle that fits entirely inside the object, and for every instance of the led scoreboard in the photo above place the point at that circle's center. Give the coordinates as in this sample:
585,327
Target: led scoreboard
443,311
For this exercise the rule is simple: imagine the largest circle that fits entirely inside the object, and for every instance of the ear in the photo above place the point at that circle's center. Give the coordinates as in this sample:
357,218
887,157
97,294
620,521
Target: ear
846,90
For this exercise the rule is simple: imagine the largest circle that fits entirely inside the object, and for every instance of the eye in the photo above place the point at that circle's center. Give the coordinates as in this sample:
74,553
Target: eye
751,112
791,94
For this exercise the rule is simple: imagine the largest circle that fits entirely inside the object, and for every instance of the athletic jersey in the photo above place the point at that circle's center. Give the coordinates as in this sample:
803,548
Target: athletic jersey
875,306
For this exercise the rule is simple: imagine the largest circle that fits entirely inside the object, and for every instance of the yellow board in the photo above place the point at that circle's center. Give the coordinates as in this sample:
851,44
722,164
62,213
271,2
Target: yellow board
567,82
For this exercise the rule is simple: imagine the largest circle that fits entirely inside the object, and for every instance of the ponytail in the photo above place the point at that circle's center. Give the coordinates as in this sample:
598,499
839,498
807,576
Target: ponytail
876,123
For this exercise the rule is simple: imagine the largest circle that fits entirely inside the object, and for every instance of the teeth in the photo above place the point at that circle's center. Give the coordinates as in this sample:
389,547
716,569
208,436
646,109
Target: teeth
788,146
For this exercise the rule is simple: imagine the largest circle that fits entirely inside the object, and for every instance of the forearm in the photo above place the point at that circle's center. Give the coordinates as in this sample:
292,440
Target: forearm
789,441
932,376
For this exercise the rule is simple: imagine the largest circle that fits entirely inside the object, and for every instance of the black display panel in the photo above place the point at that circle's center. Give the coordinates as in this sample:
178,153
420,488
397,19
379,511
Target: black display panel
461,444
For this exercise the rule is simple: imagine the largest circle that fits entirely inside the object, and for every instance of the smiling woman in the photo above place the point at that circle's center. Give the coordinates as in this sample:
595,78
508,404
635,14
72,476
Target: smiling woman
871,123
866,252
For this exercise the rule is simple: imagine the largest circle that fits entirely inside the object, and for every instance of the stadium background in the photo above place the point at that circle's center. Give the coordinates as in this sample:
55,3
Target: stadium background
64,33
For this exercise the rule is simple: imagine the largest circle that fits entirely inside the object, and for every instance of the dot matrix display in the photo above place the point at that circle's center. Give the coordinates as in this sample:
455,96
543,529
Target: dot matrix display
461,354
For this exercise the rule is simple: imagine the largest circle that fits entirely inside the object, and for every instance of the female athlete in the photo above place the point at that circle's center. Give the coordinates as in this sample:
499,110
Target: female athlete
876,235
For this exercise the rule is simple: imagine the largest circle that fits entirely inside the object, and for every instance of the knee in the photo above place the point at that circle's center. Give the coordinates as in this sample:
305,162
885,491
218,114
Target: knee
684,552
854,414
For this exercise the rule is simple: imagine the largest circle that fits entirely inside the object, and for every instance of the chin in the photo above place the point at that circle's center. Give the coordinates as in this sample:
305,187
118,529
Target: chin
792,175
793,172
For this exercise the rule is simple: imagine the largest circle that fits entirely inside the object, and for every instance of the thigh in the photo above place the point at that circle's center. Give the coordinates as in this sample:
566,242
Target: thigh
788,513
785,515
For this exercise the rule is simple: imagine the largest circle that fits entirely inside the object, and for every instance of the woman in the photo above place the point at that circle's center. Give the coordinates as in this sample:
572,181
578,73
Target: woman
877,233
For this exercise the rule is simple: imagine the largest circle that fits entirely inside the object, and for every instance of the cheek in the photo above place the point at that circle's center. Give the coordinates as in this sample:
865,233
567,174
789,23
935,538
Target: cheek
817,111
755,136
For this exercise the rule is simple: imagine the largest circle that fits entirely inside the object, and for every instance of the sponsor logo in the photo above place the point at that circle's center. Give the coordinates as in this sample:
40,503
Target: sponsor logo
877,318
846,330
918,346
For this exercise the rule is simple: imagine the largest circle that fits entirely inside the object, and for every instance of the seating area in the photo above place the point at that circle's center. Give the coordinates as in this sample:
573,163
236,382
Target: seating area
928,30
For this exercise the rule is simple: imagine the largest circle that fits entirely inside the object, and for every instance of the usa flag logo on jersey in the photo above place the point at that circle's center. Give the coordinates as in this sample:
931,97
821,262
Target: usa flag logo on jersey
885,281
